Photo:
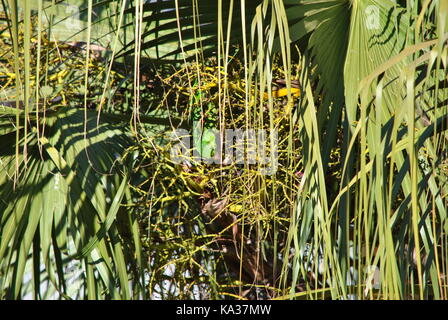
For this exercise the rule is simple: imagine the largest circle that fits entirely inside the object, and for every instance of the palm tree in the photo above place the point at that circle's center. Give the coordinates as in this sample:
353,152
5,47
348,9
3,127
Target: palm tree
373,89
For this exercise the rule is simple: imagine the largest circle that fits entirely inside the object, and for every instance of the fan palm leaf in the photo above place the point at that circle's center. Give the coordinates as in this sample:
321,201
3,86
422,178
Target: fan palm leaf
56,202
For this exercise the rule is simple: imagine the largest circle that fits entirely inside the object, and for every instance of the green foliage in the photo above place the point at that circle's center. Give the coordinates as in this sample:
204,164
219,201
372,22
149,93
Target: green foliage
56,195
356,208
